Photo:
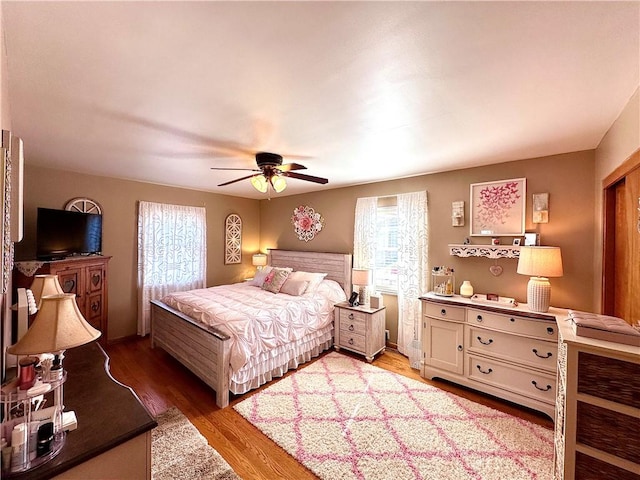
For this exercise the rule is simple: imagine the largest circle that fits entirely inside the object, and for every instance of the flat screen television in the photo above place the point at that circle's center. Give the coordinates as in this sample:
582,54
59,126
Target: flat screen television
63,233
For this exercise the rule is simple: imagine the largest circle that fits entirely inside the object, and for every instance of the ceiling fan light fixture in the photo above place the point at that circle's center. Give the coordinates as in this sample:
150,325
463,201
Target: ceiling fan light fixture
278,183
259,182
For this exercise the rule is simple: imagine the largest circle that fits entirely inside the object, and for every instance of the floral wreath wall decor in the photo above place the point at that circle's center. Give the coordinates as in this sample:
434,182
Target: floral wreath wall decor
306,222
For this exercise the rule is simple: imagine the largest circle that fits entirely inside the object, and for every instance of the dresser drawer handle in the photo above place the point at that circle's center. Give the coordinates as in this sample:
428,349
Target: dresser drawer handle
550,330
486,372
459,348
542,356
489,342
351,329
541,389
512,319
443,312
350,342
351,317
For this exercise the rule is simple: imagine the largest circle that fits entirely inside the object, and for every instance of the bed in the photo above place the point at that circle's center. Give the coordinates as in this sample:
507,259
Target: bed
219,356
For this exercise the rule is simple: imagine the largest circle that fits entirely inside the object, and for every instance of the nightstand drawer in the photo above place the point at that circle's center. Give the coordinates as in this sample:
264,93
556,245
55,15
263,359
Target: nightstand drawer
352,341
543,329
445,312
352,322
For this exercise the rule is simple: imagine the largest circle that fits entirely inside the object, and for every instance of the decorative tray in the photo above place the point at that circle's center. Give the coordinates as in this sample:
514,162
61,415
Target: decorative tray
501,301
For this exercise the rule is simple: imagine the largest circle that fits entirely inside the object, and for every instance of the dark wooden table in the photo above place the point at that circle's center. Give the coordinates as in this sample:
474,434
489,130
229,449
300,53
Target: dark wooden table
108,412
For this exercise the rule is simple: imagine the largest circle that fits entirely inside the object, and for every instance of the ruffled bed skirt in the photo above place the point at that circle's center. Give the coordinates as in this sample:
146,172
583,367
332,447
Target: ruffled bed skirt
275,363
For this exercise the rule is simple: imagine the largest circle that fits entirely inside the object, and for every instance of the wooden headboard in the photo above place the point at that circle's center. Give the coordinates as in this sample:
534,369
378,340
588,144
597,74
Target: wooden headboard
337,266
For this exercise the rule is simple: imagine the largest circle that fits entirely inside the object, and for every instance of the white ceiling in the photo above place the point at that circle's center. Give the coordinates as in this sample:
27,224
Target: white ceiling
366,91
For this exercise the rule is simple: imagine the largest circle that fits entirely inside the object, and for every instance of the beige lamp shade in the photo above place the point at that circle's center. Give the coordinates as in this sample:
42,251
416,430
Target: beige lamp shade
259,260
540,261
361,276
44,285
58,325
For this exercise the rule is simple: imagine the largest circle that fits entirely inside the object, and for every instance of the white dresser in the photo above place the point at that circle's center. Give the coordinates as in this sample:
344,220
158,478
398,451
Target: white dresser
507,352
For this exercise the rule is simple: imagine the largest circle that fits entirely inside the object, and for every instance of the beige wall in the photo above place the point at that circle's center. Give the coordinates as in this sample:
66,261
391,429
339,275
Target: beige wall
622,139
118,198
568,178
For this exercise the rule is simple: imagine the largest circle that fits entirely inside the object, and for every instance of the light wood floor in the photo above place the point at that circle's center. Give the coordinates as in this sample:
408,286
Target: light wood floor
161,382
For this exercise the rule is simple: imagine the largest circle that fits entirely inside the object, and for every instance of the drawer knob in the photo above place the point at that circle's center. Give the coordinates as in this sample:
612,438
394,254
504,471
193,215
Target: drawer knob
486,372
443,312
541,389
351,328
488,342
550,330
512,319
459,348
350,342
479,318
351,317
542,356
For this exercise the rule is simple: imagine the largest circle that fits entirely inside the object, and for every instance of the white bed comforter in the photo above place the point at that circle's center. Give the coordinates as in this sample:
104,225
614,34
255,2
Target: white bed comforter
256,320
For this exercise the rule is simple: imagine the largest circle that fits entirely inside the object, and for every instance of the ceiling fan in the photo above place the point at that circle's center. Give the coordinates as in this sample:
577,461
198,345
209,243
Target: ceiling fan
272,172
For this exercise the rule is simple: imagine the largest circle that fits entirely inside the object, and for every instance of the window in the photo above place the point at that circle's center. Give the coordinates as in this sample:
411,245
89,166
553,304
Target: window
385,275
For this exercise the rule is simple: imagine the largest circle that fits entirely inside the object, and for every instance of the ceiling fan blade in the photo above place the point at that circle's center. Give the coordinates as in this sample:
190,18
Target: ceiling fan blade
236,180
228,168
308,178
287,167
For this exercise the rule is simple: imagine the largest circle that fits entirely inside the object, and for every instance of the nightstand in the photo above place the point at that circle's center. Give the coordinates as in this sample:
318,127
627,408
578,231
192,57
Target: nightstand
360,329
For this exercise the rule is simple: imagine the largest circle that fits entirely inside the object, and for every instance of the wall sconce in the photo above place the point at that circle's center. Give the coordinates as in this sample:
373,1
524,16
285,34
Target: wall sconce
457,214
540,208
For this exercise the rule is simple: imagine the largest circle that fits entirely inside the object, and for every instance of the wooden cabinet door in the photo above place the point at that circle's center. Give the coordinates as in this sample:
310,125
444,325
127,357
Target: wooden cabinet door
443,345
71,281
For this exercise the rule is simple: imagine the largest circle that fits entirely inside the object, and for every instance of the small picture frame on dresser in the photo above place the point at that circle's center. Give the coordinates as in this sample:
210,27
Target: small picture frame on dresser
516,242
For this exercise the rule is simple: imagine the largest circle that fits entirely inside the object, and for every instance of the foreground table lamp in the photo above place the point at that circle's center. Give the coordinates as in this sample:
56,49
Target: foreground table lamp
58,326
362,277
259,260
539,263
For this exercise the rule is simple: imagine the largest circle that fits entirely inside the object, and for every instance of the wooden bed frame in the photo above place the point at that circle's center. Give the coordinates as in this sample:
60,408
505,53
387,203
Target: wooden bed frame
205,350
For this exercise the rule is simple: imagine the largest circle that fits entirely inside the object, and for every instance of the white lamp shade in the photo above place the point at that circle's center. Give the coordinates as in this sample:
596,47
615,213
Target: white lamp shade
58,325
259,182
278,183
540,261
259,260
44,285
361,276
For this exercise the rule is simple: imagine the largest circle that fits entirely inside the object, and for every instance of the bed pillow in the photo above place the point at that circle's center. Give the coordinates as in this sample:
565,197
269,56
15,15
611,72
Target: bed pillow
314,279
258,278
275,279
294,287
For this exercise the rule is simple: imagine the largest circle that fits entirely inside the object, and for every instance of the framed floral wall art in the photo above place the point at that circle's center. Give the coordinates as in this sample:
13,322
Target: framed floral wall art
498,208
306,222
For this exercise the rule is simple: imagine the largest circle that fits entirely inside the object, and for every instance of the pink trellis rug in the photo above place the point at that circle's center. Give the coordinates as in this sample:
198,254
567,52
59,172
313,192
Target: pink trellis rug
345,419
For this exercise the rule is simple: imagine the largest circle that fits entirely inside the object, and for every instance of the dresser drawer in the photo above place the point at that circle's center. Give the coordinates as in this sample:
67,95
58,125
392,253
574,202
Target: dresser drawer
529,351
445,312
352,322
543,329
522,381
352,341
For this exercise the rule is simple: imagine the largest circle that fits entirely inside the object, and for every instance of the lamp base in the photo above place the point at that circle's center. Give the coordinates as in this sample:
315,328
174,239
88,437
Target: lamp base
538,294
363,295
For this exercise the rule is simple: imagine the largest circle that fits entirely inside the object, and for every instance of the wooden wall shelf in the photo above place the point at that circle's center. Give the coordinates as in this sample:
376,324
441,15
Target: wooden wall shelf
488,251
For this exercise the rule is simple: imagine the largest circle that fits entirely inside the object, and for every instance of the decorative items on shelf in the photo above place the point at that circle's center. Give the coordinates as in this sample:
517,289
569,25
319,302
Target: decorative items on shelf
488,251
466,289
443,281
540,263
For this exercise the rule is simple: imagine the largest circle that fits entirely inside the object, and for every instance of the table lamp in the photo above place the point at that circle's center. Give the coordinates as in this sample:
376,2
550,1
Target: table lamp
540,263
362,278
259,260
58,326
43,285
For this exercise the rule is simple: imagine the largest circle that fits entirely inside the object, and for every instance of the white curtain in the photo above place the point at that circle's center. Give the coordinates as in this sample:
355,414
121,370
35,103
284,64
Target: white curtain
172,253
364,233
413,269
